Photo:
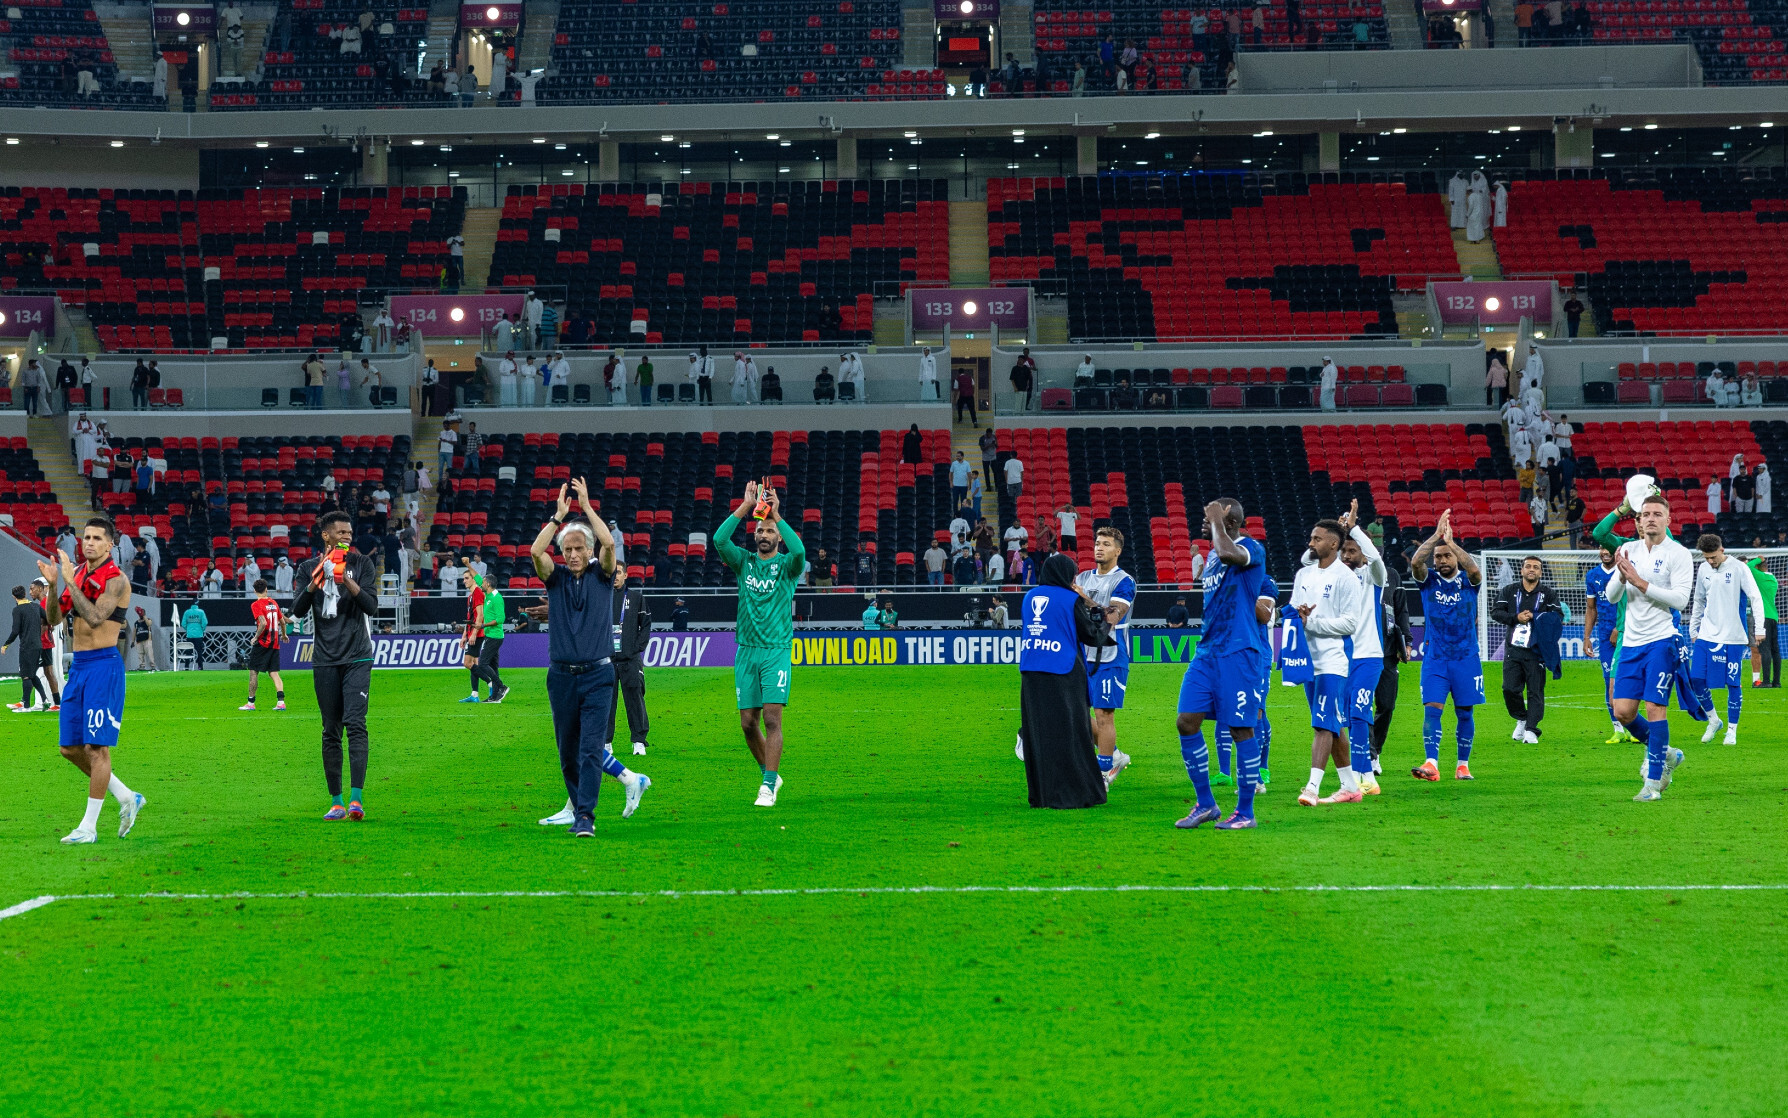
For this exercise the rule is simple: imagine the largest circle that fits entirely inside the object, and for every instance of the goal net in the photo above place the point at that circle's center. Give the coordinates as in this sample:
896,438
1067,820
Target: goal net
1565,571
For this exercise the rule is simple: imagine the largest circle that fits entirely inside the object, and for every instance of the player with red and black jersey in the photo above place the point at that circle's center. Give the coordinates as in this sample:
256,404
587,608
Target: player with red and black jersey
263,656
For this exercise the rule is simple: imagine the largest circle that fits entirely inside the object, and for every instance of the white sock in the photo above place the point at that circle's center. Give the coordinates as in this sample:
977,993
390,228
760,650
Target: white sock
1349,782
569,809
119,791
90,821
1316,778
1756,677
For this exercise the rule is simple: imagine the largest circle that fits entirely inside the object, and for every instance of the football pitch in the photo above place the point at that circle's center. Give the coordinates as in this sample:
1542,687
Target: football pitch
901,934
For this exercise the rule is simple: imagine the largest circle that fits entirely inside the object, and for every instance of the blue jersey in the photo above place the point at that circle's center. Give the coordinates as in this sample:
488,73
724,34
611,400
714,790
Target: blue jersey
1595,584
1450,616
1268,589
1229,596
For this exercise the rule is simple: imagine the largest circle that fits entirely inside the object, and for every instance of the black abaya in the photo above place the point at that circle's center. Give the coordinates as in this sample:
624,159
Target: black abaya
1061,763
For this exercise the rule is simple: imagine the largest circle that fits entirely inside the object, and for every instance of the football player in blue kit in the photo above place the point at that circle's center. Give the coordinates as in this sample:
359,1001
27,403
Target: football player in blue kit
1600,622
1223,680
1266,609
1451,666
1108,669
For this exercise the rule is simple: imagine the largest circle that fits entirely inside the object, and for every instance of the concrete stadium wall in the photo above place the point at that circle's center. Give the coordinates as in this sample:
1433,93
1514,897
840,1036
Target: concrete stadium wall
1572,362
891,374
767,417
234,383
163,167
129,424
12,423
1662,66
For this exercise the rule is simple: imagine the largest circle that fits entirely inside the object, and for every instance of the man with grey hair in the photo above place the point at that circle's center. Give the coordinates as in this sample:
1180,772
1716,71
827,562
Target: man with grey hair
580,683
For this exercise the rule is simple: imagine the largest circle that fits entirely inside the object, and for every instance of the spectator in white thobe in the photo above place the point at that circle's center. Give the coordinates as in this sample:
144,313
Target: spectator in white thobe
1713,496
928,376
850,370
1457,189
1331,376
1476,225
1763,504
1500,200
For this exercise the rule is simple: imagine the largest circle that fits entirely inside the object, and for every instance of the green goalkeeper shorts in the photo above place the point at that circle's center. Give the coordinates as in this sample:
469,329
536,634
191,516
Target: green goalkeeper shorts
761,675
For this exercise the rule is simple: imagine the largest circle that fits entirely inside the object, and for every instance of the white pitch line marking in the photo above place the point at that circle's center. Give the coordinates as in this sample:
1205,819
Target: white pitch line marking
885,890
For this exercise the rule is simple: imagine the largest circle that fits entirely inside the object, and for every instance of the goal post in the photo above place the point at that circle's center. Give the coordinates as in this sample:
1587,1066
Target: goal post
1565,571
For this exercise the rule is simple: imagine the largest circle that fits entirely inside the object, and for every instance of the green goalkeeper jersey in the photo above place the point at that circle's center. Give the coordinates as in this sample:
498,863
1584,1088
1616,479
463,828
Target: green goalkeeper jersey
766,586
1605,536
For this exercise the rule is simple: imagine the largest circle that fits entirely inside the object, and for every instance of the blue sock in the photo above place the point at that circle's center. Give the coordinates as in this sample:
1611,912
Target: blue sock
1657,747
1104,763
1640,729
1704,696
1263,733
1735,701
1198,766
1468,729
1359,744
611,765
1431,733
1608,701
1247,764
1224,741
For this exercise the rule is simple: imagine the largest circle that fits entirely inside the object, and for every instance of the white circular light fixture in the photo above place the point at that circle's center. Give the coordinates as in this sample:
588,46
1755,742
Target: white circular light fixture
491,14
1492,304
183,19
968,7
457,314
969,307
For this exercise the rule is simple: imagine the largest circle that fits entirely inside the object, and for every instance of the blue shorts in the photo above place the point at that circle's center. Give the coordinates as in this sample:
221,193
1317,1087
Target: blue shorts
93,698
1646,672
1327,695
1462,679
1362,687
1105,684
1718,665
1605,652
1226,689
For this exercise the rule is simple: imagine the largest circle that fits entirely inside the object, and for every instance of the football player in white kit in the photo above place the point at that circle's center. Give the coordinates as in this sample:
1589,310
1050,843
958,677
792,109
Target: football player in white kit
1108,669
1723,586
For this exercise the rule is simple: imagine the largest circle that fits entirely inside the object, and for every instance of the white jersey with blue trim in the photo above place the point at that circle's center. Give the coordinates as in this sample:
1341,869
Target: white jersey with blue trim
1115,587
1368,637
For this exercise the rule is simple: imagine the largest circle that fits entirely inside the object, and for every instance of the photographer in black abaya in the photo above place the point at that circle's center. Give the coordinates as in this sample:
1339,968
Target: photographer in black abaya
1061,765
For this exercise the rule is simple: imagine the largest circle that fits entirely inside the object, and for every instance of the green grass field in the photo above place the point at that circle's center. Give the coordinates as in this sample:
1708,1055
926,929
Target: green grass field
1269,1000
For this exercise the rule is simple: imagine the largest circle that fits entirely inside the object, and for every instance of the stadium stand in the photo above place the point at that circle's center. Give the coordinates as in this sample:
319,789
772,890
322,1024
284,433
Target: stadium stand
253,496
1254,388
1208,255
1684,455
740,50
726,262
1684,250
306,64
1738,42
48,43
1067,31
845,491
264,268
28,506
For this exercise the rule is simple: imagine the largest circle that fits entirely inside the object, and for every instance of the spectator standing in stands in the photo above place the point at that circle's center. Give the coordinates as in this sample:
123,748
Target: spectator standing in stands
158,87
959,528
1077,86
447,445
1713,497
139,386
456,244
959,479
474,443
1107,55
850,371
1496,381
927,376
990,450
1536,511
313,381
1331,376
32,381
503,335
66,381
965,396
373,381
821,569
1023,379
1523,23
1763,497
935,559
533,310
702,368
912,446
1066,520
1573,309
1014,477
741,379
642,376
381,331
1257,23
1744,492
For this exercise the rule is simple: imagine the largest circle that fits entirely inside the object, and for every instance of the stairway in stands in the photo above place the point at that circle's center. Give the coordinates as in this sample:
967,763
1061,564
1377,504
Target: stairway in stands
541,18
968,243
480,232
48,439
425,436
1478,261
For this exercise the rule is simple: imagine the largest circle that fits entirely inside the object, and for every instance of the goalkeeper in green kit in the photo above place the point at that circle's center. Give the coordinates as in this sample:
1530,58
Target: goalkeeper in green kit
766,625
